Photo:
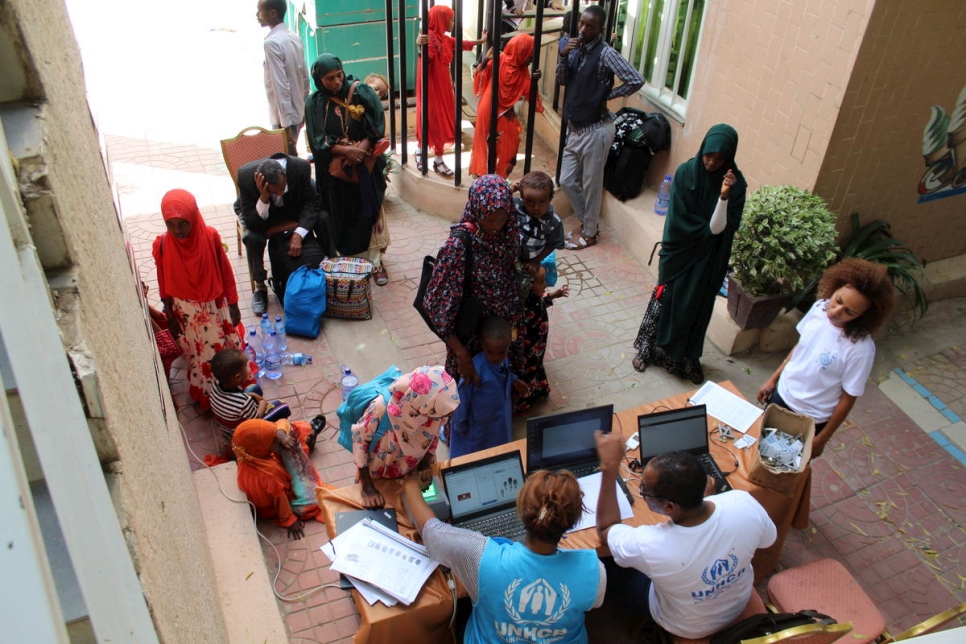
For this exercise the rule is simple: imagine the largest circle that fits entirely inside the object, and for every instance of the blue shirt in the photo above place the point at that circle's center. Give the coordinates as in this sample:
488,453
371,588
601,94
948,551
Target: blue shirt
485,415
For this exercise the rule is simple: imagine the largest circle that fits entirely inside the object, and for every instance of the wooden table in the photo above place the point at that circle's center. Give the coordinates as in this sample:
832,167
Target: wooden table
428,618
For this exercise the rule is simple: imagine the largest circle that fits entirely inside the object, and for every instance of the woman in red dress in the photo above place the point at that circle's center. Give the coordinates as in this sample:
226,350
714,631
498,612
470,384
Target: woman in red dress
442,100
514,84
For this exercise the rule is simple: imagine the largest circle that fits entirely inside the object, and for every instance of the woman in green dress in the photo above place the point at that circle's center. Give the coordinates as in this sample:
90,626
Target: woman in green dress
344,122
707,199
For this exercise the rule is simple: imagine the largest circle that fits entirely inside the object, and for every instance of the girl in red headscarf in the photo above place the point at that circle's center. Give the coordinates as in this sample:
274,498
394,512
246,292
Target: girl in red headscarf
197,286
442,99
514,85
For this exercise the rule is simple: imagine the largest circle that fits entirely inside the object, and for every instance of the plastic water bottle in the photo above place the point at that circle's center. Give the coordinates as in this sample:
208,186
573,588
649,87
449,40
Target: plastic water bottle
266,325
348,383
273,357
280,333
663,196
254,351
297,359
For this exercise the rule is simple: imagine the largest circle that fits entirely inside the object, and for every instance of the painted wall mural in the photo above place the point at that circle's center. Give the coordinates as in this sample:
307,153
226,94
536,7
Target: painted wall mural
944,150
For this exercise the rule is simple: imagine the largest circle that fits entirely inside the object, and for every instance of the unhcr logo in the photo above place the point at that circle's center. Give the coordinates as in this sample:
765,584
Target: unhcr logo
533,610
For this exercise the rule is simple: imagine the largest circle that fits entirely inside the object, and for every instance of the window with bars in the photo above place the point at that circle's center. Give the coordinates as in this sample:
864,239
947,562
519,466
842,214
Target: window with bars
660,38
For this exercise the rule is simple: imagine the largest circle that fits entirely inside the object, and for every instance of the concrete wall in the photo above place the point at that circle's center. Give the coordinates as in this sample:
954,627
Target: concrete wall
105,335
910,59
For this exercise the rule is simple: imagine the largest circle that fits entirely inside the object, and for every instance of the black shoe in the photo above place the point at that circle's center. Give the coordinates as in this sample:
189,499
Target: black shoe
260,302
318,424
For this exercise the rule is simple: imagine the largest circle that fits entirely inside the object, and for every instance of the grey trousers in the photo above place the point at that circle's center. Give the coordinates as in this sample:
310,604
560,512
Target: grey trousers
582,173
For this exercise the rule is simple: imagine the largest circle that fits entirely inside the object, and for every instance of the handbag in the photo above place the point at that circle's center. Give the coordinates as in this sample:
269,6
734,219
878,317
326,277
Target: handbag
471,311
340,167
768,624
348,292
647,334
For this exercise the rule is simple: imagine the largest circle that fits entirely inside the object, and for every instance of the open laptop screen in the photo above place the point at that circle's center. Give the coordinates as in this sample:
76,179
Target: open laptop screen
486,484
566,439
677,430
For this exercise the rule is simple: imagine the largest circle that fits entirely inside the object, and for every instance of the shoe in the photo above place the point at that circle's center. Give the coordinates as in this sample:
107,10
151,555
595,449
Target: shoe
574,233
318,424
419,163
260,302
580,242
440,167
381,277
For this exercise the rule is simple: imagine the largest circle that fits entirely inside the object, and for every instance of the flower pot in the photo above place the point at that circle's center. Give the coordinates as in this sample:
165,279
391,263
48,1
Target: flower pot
753,311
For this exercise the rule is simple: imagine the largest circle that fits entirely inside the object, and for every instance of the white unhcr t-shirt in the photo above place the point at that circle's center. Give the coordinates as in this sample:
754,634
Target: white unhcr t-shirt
702,575
824,363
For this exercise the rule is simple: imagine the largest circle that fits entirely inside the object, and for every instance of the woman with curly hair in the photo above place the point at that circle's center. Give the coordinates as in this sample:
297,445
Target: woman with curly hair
826,371
516,585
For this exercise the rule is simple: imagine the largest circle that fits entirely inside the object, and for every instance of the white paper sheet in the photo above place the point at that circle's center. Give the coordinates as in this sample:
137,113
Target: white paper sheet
726,407
590,485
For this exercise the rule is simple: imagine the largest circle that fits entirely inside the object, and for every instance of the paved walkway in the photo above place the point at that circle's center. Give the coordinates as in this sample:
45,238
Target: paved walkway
887,496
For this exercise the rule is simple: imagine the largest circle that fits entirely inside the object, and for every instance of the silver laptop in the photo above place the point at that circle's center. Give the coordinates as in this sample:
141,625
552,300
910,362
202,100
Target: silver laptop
482,495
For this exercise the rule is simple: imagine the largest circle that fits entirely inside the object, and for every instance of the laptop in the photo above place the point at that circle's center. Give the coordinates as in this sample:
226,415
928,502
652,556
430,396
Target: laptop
680,430
483,495
567,440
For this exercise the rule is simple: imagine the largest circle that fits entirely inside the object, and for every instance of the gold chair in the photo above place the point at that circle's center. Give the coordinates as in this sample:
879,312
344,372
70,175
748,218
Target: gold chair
930,625
250,144
808,634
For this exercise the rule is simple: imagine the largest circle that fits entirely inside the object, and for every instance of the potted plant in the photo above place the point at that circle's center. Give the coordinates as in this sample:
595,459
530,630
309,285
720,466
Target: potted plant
786,239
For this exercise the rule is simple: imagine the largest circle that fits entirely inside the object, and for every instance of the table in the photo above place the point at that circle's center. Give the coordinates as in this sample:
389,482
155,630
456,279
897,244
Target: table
427,619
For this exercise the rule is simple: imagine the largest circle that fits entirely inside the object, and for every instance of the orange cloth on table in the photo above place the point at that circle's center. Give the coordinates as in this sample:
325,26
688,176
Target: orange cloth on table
196,268
514,84
442,99
261,475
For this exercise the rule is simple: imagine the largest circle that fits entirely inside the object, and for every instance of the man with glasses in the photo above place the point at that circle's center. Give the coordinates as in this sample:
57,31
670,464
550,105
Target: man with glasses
691,574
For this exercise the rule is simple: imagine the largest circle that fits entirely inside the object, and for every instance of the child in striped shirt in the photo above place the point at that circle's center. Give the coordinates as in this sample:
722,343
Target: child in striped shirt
236,397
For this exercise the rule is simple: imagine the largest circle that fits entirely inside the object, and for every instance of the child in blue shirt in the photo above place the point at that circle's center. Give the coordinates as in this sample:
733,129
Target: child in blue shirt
485,415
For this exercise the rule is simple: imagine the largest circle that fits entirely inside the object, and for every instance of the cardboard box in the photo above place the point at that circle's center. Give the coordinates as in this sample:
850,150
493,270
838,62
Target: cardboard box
791,423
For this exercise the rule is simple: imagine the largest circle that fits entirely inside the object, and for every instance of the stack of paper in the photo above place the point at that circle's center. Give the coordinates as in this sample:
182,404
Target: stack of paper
726,407
383,565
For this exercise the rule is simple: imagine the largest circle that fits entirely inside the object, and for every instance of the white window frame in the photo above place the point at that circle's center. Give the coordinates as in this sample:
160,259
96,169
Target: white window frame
654,89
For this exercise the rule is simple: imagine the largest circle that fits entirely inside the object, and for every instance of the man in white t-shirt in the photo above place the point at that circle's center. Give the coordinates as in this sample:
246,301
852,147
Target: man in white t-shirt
695,569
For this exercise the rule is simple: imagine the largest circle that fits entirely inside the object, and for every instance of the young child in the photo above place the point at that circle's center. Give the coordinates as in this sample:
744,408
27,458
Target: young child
536,329
379,84
541,230
826,371
484,418
234,400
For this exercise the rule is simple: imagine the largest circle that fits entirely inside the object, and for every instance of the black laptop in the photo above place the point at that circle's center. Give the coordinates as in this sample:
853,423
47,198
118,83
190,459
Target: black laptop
680,430
482,495
567,441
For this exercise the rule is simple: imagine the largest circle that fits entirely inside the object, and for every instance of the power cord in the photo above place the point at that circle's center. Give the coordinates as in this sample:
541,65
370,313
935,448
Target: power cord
725,448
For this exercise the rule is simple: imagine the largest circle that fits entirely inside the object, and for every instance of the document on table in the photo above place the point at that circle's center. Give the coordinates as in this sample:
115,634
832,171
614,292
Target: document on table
369,592
590,486
734,411
390,562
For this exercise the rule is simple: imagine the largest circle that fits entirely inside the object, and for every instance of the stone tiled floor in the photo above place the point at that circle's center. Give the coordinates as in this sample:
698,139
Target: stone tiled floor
887,500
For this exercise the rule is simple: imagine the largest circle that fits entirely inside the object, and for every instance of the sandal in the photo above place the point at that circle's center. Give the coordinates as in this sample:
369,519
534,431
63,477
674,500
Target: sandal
440,167
577,232
581,241
419,163
381,277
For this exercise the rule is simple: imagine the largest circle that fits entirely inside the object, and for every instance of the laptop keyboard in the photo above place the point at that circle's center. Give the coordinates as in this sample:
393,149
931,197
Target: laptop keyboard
585,470
501,525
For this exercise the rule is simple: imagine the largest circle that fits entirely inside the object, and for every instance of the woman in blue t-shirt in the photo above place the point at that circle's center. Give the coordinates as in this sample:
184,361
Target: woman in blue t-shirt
522,592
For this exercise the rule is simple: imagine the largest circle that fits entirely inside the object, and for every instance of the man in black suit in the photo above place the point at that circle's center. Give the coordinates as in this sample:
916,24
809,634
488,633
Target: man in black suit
277,195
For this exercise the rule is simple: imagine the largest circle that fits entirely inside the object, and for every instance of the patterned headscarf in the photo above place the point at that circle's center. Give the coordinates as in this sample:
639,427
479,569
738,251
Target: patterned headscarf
189,268
421,399
489,194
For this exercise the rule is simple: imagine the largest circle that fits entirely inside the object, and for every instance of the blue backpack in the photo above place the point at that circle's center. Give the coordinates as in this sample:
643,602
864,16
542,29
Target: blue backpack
355,406
304,302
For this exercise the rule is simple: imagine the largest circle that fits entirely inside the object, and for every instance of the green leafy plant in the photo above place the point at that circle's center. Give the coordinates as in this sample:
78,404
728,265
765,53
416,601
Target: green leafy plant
786,239
874,242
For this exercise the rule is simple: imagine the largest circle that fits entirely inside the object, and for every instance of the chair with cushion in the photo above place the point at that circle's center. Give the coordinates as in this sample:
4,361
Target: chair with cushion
827,587
250,144
808,634
930,625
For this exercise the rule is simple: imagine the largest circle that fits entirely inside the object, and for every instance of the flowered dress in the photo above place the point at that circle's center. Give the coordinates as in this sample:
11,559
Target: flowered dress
536,329
419,403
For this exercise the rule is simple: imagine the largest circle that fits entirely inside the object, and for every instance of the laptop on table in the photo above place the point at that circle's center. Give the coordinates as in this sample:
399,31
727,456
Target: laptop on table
680,430
482,495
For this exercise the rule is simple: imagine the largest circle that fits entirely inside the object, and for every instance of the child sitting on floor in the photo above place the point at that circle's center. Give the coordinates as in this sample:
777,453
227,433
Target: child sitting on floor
541,230
484,418
536,329
235,397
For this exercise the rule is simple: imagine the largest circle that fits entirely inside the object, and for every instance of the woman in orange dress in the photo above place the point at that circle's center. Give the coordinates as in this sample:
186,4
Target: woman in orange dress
514,85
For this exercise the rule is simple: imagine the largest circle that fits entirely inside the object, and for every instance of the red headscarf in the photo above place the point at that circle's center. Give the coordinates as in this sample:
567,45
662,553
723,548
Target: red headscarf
258,467
514,75
189,269
443,46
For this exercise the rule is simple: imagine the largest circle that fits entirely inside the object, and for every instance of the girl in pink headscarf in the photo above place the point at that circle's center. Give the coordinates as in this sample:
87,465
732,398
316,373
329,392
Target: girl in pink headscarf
197,286
418,404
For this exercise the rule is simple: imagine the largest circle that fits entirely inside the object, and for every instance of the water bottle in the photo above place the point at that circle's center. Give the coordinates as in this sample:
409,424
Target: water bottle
280,333
297,359
663,196
266,325
348,382
254,351
273,357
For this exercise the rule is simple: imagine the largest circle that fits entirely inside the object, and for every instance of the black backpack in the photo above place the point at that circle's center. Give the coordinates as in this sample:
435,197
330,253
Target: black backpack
638,136
767,624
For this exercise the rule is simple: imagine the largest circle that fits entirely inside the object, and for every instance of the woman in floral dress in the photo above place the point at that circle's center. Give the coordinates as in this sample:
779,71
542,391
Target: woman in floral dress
419,402
197,286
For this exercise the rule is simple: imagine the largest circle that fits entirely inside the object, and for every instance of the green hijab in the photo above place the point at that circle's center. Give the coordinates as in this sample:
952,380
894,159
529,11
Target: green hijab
322,135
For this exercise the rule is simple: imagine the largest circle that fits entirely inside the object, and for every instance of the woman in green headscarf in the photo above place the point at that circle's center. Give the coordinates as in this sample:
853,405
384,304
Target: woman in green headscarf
707,199
344,121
